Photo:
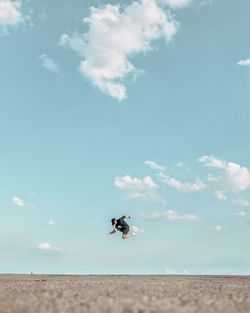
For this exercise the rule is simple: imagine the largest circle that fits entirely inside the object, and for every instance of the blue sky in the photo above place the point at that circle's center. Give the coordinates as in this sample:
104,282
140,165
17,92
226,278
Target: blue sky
137,108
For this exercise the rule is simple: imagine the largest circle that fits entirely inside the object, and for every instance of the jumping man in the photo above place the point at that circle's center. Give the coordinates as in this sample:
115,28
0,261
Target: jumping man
121,225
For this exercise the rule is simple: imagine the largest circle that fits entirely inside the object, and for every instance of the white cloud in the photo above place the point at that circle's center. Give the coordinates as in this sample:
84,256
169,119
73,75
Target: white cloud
220,195
18,201
48,63
10,15
47,246
75,43
245,62
172,216
176,3
44,246
241,202
216,228
206,2
137,230
153,165
213,179
170,271
211,161
234,177
139,189
198,185
127,183
51,223
242,214
180,164
114,36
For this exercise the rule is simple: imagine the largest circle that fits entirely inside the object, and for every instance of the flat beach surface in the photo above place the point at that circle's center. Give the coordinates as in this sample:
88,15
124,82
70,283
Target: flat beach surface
128,294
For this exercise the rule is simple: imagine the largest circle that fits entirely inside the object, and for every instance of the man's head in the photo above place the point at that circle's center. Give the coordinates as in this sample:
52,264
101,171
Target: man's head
113,221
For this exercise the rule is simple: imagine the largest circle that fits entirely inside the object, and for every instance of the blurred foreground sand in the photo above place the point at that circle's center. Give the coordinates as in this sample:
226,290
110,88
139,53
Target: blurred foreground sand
128,294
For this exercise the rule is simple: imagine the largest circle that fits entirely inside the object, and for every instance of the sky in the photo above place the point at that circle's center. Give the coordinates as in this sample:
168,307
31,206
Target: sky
133,107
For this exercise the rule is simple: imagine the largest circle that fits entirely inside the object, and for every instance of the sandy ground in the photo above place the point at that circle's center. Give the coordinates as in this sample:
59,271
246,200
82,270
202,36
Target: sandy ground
128,294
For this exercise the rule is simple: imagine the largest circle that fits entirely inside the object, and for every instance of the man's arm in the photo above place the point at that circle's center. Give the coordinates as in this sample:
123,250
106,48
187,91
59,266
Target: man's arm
112,232
125,216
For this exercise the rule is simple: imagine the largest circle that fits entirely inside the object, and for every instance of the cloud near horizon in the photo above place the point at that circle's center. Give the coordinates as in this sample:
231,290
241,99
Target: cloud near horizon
242,214
171,271
48,247
171,215
216,228
18,201
137,230
116,34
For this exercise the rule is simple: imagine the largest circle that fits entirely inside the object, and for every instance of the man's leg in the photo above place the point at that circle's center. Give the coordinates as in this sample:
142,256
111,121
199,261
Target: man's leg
128,235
